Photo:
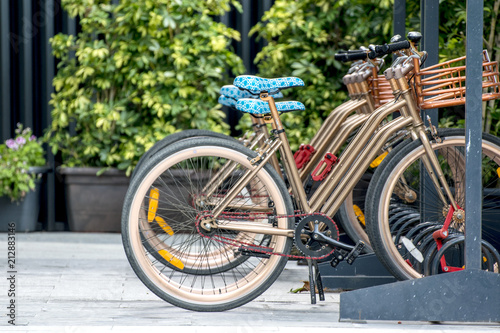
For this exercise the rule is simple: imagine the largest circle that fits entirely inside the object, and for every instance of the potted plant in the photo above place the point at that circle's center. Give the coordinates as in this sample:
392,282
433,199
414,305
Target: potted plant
137,72
21,164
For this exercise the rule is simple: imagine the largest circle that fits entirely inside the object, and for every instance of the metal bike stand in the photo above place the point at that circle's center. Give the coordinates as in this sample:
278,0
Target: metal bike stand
470,295
366,271
466,296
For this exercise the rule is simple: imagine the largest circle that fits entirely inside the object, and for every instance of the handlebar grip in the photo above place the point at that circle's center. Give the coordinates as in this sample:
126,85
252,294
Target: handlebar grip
390,48
393,47
351,56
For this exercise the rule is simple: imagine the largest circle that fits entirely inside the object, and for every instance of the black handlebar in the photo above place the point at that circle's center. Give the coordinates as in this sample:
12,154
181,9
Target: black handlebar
393,47
350,56
375,52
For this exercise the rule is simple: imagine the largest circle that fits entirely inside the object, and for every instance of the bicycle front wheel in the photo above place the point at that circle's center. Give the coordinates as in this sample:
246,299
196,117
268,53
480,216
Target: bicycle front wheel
404,209
174,258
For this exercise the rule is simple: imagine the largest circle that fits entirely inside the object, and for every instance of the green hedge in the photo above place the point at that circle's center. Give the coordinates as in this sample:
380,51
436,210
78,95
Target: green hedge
304,35
302,38
137,72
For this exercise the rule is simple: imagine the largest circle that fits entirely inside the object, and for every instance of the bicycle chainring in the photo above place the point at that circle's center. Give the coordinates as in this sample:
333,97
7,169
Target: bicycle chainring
304,231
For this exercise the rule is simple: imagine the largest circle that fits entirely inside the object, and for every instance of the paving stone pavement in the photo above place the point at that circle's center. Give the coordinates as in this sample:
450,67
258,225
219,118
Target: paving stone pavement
82,282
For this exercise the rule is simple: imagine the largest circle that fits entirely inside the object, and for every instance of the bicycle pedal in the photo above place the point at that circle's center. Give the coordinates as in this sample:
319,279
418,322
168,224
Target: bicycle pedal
355,252
251,251
337,257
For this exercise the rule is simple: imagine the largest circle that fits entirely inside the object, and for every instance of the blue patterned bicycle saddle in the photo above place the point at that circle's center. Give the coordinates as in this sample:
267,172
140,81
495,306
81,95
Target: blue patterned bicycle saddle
256,85
227,101
237,93
256,106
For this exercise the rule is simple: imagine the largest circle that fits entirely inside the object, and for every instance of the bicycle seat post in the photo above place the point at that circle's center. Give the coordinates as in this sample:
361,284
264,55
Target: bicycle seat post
286,153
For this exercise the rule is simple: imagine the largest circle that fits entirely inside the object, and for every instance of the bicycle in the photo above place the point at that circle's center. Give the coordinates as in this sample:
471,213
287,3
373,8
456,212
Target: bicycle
333,133
406,243
238,260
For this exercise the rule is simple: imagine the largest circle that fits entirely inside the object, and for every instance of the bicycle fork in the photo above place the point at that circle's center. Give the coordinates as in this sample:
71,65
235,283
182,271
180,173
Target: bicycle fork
435,173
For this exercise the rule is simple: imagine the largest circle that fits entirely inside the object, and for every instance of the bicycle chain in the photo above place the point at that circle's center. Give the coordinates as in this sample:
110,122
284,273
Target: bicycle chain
254,247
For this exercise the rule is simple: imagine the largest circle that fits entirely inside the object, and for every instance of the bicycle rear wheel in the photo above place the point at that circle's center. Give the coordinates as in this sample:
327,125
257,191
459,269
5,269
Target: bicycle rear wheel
401,222
173,257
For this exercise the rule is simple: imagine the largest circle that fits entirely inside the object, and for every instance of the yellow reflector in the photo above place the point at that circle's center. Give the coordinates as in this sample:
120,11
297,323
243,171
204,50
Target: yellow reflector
171,259
484,259
164,225
376,162
153,204
359,215
498,172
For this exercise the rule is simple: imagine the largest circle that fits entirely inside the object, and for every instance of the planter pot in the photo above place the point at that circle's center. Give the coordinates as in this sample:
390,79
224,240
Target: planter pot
94,203
24,213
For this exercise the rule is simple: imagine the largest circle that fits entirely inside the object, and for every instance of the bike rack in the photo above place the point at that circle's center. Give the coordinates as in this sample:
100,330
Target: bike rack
465,296
470,295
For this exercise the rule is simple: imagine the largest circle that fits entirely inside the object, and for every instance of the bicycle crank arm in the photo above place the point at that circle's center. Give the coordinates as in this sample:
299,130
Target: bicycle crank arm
330,241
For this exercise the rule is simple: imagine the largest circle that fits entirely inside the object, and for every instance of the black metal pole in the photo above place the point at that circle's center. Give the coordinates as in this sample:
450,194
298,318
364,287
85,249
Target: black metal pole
430,38
48,72
26,35
473,129
4,71
430,42
399,18
264,6
245,40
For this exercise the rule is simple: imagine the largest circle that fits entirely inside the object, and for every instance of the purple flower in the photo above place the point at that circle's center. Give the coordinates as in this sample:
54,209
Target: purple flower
32,138
20,140
12,144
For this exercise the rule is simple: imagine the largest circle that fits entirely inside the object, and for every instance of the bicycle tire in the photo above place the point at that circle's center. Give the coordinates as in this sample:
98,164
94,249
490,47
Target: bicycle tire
212,288
173,138
404,161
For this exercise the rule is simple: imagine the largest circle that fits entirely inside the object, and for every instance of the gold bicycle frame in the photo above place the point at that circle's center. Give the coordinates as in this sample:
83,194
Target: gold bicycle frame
341,123
354,160
332,134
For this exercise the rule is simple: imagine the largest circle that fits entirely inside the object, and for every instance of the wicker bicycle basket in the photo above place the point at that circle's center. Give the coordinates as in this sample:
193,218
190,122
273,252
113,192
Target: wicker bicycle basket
443,84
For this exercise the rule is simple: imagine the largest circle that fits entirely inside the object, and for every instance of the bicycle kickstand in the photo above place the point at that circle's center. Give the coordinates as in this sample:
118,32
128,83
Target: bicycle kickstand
315,281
